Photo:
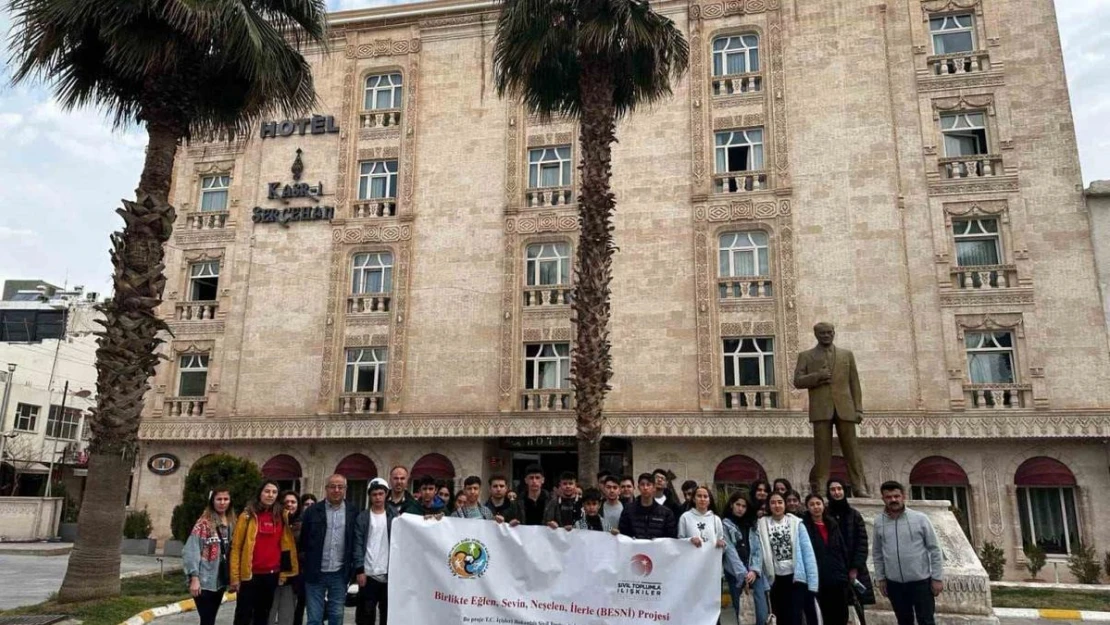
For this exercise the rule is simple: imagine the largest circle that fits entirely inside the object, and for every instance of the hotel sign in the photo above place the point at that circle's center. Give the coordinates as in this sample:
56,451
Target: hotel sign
277,191
315,125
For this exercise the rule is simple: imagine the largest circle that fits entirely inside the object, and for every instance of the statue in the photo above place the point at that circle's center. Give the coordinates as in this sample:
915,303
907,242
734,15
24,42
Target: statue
835,399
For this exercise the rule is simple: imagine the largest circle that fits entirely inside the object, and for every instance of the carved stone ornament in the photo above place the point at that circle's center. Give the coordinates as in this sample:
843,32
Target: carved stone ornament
205,254
298,166
949,6
988,321
712,10
213,167
382,47
963,103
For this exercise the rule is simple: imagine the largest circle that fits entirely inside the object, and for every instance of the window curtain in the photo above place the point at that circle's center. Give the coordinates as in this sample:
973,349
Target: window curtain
213,200
976,253
991,368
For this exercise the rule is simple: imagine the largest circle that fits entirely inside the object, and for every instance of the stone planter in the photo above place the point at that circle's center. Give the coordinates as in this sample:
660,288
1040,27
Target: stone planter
138,546
67,532
173,548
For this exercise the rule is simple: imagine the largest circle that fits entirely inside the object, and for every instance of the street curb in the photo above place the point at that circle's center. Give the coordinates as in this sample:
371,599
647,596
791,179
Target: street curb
1051,614
187,605
40,551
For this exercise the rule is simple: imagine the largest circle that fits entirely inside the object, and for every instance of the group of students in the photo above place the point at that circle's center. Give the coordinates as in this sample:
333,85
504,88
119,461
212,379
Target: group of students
287,555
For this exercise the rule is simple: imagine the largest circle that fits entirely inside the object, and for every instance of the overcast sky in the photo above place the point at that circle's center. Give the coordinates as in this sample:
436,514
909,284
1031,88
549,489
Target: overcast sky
67,170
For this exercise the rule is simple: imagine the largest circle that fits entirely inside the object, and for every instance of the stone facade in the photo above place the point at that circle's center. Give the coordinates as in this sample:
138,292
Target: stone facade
856,195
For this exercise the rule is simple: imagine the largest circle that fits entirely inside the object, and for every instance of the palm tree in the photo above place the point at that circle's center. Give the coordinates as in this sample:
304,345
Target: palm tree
182,69
595,60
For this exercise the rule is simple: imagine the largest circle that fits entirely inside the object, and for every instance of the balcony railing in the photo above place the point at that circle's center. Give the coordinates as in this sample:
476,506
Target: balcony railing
359,303
547,295
744,287
542,400
385,118
185,406
377,207
959,63
196,311
738,84
740,181
361,403
974,166
997,396
751,397
984,277
206,220
549,196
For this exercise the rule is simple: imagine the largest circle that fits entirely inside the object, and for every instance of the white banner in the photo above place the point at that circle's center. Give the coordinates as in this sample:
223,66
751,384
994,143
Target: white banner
472,571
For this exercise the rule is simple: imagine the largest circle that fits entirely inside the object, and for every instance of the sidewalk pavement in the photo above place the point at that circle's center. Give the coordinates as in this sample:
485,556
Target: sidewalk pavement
31,579
1051,615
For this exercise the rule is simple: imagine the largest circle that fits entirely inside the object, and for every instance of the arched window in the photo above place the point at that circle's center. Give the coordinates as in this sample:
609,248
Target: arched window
838,469
435,465
284,470
1046,505
937,477
736,473
736,54
383,92
359,470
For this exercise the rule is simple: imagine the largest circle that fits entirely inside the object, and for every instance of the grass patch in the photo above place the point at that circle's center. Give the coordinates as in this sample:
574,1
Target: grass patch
137,594
1049,598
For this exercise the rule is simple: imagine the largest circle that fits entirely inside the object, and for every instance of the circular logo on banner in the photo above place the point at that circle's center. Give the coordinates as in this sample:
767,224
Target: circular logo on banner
641,565
468,559
163,464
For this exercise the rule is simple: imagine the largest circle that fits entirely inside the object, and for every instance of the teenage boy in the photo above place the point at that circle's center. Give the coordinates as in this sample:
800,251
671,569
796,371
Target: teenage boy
372,541
628,490
592,518
565,508
647,518
534,502
472,486
612,507
503,510
399,495
428,505
688,488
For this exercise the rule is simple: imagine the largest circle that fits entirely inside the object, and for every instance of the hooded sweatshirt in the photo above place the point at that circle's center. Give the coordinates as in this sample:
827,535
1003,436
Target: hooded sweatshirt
709,528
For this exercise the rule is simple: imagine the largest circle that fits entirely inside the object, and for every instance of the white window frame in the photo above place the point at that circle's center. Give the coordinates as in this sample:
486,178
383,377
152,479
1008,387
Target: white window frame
26,420
214,186
766,369
364,265
543,158
973,230
988,344
736,45
727,255
370,171
189,364
539,255
373,359
392,86
964,124
950,24
559,355
1028,517
203,270
60,422
725,139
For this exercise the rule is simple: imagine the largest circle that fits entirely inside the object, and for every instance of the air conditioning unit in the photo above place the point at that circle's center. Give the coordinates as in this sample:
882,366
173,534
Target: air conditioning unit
91,296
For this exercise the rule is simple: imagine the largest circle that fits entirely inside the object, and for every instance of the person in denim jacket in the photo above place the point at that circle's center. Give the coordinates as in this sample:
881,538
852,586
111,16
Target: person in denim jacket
205,555
739,522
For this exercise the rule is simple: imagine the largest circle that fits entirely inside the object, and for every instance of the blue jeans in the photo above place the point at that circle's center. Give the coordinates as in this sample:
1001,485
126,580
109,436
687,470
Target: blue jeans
759,597
333,588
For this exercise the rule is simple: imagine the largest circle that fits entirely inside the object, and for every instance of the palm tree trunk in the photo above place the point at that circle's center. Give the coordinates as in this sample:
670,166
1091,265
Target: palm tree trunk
591,364
125,361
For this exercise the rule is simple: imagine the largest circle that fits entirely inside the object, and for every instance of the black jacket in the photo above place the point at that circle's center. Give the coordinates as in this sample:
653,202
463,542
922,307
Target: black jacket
398,509
314,531
832,558
854,533
508,510
532,513
655,521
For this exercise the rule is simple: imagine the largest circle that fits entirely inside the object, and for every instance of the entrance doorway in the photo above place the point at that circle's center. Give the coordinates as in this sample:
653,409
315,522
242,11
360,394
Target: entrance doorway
556,454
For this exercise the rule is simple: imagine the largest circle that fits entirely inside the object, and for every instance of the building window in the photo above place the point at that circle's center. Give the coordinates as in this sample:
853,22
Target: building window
738,54
965,134
63,424
739,150
743,254
366,368
213,192
192,375
28,326
990,357
377,179
383,91
204,281
548,264
26,417
749,362
953,33
549,167
546,365
372,273
977,242
1048,518
957,495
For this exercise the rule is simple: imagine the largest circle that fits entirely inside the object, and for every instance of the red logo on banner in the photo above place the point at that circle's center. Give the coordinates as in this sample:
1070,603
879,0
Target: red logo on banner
641,565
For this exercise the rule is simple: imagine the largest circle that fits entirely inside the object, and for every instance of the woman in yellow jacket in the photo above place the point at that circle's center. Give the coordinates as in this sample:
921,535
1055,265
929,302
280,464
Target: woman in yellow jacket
263,552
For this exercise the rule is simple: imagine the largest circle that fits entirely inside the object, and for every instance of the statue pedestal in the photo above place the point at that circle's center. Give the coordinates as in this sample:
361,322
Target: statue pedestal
966,599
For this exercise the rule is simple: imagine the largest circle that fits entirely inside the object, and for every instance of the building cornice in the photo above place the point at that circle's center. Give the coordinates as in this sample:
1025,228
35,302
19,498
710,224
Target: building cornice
1015,424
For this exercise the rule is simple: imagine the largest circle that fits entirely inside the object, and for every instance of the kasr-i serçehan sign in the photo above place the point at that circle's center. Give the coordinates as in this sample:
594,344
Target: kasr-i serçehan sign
277,191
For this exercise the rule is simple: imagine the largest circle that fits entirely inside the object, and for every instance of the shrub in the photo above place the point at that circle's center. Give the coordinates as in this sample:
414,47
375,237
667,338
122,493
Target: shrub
138,524
1083,564
994,561
241,476
1034,559
1106,563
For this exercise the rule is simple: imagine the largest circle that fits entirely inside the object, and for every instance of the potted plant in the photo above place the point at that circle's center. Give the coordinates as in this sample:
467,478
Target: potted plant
180,530
136,534
1034,561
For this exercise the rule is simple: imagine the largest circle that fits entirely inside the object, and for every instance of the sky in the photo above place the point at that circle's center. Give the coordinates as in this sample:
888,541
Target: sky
67,170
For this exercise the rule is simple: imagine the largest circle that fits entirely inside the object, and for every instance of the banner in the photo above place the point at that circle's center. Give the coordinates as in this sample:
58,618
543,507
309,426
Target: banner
455,571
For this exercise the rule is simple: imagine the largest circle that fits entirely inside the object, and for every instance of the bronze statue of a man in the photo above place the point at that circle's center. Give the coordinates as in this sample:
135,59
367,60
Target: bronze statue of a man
835,399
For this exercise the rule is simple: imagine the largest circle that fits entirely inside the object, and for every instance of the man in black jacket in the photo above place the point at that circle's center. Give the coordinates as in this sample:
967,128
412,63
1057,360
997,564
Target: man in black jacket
504,510
326,549
533,501
646,518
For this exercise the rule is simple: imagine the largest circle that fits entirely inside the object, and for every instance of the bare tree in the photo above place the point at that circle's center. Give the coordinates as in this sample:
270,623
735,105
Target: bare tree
22,456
